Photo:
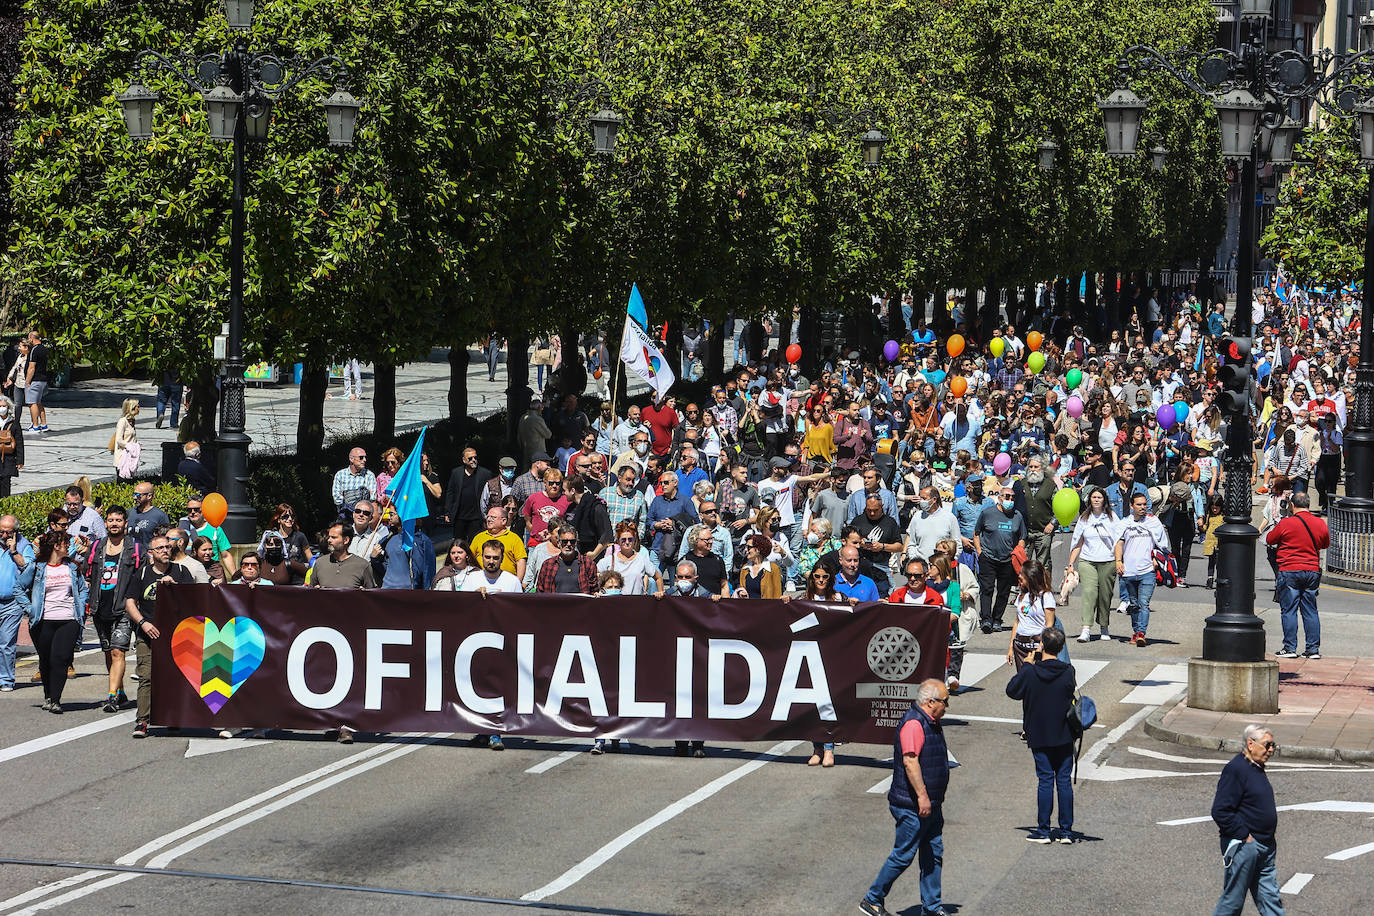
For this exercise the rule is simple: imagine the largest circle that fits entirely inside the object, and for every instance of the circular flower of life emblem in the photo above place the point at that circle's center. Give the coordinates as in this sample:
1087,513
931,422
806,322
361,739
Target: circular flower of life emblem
893,654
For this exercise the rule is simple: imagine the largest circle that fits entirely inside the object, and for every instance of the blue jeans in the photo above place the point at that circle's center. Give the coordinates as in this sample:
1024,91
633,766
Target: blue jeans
907,311
1138,592
1053,768
1298,595
10,615
1251,870
169,395
818,746
917,837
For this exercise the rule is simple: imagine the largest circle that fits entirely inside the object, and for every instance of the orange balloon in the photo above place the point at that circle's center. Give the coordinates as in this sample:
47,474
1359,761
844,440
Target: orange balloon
1033,340
958,385
214,508
955,346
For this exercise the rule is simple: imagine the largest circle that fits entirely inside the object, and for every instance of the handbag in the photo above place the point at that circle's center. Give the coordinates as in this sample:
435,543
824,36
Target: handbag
1081,716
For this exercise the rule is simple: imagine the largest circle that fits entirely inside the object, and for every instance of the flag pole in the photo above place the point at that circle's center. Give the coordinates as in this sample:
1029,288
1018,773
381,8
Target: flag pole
615,419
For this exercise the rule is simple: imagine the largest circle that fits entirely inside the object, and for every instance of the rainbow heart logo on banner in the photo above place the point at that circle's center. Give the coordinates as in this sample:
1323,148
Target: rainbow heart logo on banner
217,660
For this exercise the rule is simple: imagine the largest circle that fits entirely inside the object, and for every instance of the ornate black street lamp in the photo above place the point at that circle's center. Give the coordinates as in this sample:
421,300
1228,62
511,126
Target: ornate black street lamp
1255,92
239,87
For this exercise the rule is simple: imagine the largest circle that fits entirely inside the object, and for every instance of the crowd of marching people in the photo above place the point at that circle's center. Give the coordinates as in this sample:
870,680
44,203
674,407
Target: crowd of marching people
936,473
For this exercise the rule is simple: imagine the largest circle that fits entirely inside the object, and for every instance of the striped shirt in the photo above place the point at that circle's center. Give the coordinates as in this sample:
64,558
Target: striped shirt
620,508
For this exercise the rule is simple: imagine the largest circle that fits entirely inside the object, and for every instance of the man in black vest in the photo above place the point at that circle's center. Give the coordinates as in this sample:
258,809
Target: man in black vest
920,774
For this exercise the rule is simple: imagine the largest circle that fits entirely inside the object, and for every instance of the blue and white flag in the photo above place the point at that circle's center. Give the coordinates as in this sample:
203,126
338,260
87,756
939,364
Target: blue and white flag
638,351
1281,288
407,493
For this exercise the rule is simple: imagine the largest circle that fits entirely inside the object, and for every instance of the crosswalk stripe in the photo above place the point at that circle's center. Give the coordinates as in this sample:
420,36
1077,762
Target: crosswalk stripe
1159,686
978,665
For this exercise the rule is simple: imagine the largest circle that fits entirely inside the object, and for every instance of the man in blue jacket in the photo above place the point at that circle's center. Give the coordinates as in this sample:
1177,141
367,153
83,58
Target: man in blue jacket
920,775
1045,690
1247,819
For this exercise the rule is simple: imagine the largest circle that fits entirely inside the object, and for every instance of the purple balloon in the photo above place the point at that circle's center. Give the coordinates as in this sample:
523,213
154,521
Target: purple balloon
1166,416
1001,464
1074,406
892,350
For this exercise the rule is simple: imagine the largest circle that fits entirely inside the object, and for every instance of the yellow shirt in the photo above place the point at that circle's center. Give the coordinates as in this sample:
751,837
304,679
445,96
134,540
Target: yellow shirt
820,442
515,548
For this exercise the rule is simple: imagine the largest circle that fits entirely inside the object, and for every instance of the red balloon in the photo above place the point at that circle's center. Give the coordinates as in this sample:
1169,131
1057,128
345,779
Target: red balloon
958,385
1034,340
214,508
955,346
794,353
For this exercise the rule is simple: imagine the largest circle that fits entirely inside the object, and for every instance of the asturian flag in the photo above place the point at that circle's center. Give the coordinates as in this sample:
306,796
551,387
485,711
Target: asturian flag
1281,287
638,351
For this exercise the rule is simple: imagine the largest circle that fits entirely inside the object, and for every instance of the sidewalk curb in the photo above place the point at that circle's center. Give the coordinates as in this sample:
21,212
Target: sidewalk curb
1351,582
1154,727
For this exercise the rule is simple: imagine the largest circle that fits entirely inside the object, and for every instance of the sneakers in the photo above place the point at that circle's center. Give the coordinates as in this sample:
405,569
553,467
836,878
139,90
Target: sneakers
599,747
495,743
1122,605
43,428
227,734
1313,654
31,428
873,909
8,688
1138,639
47,705
140,729
952,683
121,699
1063,837
700,754
111,704
1211,582
1286,653
1038,836
345,735
1086,635
55,707
1105,635
985,627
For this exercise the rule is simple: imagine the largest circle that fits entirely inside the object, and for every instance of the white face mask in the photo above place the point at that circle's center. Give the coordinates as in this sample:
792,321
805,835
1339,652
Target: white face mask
4,410
642,449
686,585
924,504
813,538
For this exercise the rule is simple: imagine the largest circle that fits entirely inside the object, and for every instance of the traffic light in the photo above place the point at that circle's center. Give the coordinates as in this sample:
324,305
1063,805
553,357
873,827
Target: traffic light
1235,373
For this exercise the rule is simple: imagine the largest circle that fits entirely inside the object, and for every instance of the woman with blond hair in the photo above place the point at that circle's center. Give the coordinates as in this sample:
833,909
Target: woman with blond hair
124,443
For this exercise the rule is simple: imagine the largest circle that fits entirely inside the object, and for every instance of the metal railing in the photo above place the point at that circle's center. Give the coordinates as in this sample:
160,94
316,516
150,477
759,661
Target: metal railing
1179,279
1352,542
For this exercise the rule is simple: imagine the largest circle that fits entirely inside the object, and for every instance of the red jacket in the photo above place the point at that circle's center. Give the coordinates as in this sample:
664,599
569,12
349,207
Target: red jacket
1300,537
931,598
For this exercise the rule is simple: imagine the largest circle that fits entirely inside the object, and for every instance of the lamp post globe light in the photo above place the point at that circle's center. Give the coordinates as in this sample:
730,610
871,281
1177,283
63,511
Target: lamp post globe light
1159,157
873,142
1122,112
239,88
1046,151
605,128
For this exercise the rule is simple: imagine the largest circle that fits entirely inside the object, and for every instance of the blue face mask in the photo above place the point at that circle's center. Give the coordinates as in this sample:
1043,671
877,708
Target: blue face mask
611,592
1008,504
507,474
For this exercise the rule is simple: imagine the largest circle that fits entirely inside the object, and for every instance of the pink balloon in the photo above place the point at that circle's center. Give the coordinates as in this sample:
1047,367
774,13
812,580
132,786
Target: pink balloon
1001,464
1074,406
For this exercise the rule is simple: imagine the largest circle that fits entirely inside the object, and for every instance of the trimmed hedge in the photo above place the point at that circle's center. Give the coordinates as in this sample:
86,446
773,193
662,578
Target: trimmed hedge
32,508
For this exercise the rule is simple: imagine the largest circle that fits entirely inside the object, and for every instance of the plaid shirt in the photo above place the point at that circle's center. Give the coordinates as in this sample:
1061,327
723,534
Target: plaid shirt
1008,377
346,482
620,508
726,419
525,486
586,576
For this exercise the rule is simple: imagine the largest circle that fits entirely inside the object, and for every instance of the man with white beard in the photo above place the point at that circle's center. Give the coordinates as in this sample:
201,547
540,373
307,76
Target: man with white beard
1035,502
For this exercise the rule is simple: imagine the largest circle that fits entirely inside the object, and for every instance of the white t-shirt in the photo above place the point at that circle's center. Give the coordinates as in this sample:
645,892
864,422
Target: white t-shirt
1030,614
783,503
1097,536
635,570
505,582
1139,539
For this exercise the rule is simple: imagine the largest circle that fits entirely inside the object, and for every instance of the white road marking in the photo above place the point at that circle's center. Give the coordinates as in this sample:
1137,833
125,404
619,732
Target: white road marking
167,839
1352,852
57,739
546,765
978,665
200,747
806,623
957,717
1336,805
1159,686
607,852
1295,884
1159,755
1087,667
882,787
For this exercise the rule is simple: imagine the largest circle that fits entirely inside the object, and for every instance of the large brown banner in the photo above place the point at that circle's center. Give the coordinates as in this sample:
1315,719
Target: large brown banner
634,667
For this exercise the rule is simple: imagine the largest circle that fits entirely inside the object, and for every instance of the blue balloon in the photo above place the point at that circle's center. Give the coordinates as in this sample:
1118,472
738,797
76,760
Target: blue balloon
1180,411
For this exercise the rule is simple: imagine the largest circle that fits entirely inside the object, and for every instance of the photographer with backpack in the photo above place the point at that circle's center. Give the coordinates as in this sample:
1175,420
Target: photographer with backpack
1045,689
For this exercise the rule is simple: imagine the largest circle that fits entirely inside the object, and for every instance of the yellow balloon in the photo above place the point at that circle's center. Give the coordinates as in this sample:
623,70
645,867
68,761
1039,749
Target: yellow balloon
997,346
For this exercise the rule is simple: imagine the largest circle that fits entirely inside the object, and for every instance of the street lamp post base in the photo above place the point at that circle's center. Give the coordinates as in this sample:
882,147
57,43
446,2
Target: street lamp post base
1245,687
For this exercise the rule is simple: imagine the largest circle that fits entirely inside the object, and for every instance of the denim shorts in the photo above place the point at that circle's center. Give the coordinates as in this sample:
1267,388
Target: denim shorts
114,634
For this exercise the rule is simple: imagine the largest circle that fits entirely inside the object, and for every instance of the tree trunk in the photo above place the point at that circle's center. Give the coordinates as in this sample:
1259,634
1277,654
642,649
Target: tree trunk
785,327
199,421
572,373
672,347
310,423
517,387
458,360
1029,310
941,319
1112,302
1090,302
383,402
715,349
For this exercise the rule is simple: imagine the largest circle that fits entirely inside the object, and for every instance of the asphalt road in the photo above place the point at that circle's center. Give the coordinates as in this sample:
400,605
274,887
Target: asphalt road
750,829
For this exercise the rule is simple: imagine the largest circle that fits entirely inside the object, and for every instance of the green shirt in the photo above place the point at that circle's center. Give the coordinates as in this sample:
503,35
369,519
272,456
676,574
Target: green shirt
218,539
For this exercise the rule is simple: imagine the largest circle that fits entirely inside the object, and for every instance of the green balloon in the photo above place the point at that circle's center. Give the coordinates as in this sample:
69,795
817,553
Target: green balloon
1036,362
1066,506
1075,378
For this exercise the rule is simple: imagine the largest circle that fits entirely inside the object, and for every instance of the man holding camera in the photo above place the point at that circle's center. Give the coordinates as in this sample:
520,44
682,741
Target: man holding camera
1299,537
